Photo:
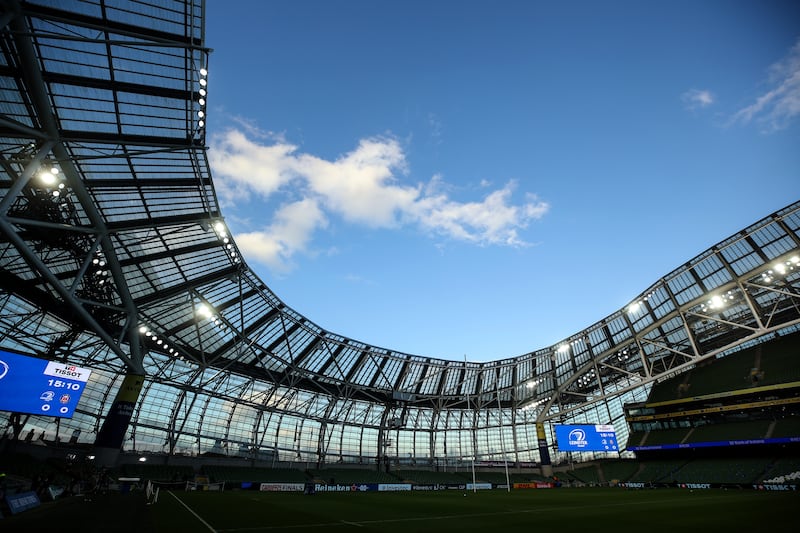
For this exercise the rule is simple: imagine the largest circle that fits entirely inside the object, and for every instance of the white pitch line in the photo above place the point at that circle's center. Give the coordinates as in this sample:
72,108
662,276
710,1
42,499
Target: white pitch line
363,523
195,514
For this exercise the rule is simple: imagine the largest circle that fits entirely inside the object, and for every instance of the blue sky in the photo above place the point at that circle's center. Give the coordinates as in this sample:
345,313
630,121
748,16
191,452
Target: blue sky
486,178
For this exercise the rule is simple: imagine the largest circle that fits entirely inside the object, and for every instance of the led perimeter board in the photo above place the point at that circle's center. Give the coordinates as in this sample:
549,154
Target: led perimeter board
40,387
586,438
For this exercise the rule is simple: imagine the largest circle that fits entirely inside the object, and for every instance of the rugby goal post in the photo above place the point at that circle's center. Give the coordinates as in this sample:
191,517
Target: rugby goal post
151,493
194,485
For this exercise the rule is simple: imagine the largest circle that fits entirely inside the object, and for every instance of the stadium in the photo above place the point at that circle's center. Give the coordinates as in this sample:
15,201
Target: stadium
182,384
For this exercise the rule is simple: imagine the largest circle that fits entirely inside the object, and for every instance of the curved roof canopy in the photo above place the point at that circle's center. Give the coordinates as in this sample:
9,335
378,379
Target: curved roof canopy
114,245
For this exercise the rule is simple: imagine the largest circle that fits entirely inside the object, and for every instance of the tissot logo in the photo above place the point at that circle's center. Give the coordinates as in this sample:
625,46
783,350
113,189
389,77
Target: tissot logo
67,371
3,369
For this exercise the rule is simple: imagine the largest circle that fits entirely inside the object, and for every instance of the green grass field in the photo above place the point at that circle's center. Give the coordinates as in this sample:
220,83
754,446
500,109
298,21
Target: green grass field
590,510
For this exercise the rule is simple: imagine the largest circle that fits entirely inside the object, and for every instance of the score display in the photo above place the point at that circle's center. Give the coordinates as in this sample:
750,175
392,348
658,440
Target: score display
40,387
586,438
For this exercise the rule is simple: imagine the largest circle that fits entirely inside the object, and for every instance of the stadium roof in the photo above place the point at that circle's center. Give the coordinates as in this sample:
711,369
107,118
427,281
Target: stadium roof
114,245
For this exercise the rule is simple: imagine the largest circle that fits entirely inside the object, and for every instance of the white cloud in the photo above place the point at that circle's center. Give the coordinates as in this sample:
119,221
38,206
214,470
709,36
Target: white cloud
242,167
361,187
697,98
491,221
776,108
289,233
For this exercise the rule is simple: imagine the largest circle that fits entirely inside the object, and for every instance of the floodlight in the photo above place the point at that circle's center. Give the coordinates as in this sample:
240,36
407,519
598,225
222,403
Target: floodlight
47,177
204,311
716,302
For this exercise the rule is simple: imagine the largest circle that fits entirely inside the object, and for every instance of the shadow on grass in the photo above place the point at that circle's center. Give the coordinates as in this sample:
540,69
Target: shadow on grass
103,513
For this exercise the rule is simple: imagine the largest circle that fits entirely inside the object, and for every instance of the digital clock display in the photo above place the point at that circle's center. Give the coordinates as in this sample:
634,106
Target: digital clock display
40,387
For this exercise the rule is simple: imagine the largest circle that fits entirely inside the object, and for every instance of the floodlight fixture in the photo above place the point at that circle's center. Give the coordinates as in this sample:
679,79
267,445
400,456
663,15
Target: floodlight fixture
48,178
204,311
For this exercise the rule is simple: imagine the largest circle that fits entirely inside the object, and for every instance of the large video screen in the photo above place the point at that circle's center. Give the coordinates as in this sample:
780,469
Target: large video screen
586,438
40,387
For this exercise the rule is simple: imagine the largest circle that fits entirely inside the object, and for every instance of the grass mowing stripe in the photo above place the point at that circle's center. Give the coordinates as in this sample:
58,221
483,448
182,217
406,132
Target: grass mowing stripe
195,514
363,523
611,510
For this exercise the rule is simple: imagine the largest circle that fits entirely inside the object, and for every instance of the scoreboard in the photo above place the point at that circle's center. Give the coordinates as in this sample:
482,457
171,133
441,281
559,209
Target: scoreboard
40,387
586,438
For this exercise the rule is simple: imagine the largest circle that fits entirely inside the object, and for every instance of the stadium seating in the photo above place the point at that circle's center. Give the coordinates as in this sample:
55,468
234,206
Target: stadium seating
779,361
731,471
238,474
767,364
783,470
427,477
786,427
349,475
750,429
667,436
156,472
588,475
658,471
621,470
